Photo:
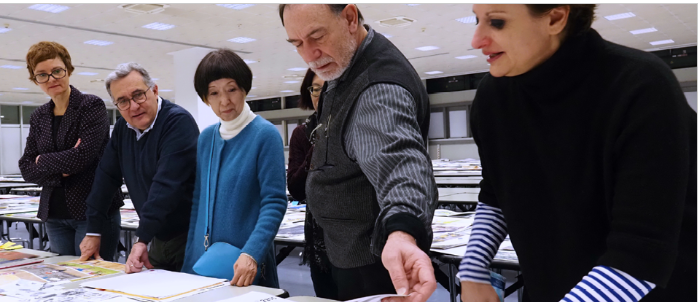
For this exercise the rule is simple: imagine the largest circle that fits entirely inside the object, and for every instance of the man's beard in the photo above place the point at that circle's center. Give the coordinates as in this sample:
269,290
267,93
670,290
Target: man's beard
347,52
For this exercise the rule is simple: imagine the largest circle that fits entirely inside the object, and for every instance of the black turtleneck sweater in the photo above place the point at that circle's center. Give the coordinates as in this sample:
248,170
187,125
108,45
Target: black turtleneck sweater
591,156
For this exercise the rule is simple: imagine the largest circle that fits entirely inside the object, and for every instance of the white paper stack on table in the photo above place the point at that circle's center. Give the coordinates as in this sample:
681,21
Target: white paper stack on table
156,285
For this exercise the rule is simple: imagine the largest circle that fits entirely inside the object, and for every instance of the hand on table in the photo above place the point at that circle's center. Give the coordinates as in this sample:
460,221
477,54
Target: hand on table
138,258
245,271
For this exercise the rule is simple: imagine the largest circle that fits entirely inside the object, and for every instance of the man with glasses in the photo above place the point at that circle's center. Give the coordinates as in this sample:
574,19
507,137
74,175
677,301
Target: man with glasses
153,148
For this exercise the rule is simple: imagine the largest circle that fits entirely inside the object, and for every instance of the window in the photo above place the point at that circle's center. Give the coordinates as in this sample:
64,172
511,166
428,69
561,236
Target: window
436,124
458,122
280,127
9,115
26,114
110,113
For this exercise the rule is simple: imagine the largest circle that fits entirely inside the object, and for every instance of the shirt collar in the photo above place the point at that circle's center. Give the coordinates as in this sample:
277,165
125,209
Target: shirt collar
140,134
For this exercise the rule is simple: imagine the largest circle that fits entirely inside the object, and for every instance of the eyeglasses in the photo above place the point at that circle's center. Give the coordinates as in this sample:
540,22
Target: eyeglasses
125,103
315,91
57,73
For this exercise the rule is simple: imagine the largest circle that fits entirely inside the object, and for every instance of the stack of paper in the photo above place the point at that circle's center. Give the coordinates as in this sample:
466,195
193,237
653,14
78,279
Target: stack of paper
156,285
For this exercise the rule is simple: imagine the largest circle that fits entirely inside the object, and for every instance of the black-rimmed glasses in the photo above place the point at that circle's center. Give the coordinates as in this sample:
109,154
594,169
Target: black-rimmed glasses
125,103
315,91
57,73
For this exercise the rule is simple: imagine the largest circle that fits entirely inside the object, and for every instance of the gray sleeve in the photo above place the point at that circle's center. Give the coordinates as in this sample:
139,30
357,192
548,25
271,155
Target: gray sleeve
384,138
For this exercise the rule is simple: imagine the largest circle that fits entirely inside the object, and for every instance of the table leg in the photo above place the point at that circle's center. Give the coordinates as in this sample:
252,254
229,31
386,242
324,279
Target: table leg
127,242
30,227
453,282
42,234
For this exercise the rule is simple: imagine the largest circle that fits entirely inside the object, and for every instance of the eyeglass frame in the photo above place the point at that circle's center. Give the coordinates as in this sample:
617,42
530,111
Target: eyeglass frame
311,89
133,98
49,75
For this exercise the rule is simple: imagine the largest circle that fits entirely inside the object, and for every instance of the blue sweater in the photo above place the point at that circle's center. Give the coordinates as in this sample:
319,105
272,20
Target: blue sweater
247,180
159,172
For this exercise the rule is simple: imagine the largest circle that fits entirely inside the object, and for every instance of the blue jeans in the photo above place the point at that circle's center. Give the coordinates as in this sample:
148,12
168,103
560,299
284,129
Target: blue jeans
65,236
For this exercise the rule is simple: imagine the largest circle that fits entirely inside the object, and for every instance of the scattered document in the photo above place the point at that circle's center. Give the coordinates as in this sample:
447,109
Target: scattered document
156,285
376,298
253,297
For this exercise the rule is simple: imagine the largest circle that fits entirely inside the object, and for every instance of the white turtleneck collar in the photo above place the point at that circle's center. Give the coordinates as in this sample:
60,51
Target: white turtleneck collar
230,129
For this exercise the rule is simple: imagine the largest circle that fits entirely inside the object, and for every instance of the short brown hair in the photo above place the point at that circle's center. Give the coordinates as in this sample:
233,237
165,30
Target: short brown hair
43,51
580,18
219,64
306,101
335,8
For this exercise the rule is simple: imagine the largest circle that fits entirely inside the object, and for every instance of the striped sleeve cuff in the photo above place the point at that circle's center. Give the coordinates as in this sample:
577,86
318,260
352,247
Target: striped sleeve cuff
488,231
605,283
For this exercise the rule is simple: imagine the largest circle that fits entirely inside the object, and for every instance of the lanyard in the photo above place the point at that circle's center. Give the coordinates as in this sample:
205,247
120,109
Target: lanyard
209,220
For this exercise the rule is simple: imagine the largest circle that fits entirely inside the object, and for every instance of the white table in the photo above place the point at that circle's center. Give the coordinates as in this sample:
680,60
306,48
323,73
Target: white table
458,180
212,295
460,198
308,299
453,191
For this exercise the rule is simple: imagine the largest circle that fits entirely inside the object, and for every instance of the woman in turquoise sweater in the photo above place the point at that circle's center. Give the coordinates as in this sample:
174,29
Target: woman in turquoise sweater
240,196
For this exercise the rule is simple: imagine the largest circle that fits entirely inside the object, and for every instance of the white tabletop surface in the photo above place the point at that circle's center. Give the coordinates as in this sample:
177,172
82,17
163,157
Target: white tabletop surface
212,295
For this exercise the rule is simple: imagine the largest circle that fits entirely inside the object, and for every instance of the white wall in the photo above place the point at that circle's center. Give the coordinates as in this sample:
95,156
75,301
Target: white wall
11,149
692,99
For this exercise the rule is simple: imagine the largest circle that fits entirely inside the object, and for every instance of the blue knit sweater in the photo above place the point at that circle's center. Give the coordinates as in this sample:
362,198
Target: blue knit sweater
247,181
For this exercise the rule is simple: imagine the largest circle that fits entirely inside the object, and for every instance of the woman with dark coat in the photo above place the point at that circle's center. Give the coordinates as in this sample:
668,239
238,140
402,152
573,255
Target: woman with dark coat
67,137
588,151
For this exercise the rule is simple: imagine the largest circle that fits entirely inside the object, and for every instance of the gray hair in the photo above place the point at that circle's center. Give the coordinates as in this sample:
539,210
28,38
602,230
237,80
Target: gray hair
125,69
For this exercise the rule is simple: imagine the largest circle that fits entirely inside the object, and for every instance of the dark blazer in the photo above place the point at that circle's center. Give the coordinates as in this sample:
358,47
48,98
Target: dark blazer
85,119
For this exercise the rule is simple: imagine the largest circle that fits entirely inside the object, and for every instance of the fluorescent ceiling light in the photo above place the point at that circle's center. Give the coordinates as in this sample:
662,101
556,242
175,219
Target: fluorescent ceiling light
250,61
387,35
242,40
427,48
159,26
285,91
466,57
165,90
292,82
28,102
11,67
87,74
467,20
251,95
20,88
253,88
236,6
662,42
643,31
298,69
51,8
154,79
619,16
434,72
414,4
98,42
4,30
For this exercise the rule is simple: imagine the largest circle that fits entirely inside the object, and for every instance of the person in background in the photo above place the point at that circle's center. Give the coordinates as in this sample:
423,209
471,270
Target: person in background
370,185
588,151
240,197
67,136
153,149
300,152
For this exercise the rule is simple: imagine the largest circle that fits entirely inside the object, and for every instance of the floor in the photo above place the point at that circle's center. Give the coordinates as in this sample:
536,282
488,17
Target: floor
293,277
